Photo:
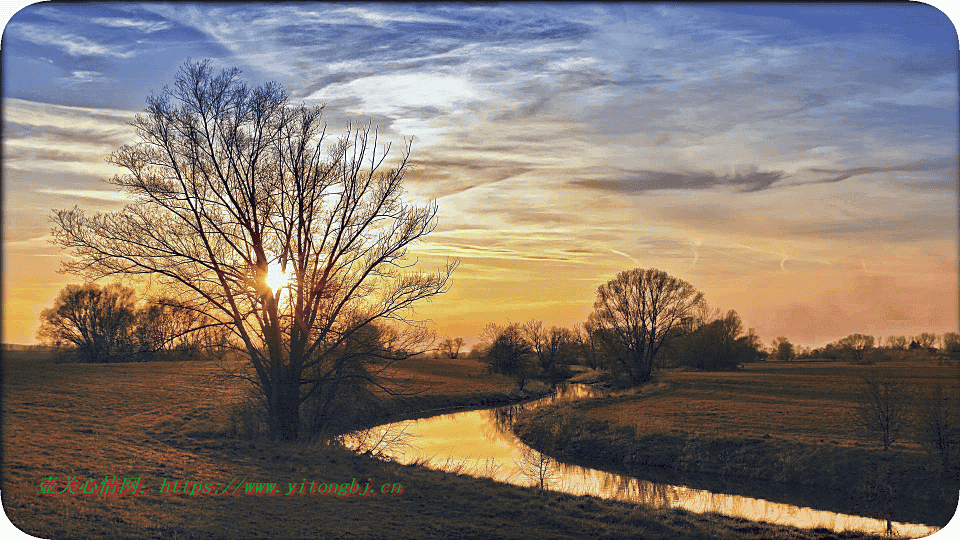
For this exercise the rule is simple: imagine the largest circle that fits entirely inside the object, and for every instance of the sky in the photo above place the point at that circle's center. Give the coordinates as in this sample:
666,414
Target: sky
796,163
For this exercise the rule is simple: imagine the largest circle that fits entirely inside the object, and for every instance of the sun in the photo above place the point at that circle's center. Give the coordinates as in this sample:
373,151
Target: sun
276,278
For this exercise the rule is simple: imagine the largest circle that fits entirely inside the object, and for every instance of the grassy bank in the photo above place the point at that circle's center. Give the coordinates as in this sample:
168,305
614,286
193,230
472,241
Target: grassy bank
772,430
165,420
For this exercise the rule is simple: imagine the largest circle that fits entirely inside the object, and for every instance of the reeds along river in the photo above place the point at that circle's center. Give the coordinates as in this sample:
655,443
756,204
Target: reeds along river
481,443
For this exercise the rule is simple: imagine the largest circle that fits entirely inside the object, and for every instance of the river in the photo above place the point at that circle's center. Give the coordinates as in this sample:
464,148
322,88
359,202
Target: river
480,443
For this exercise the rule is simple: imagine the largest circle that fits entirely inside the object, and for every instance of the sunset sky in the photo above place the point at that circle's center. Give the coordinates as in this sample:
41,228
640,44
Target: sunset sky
795,163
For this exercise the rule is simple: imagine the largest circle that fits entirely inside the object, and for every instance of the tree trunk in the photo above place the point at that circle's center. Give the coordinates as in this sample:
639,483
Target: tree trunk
283,408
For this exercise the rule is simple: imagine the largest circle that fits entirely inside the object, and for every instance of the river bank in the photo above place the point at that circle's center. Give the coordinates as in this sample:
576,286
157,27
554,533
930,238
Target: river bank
630,433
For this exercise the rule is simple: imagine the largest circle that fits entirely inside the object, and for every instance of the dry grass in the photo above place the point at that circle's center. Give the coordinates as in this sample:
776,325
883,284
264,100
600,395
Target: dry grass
805,402
165,420
790,423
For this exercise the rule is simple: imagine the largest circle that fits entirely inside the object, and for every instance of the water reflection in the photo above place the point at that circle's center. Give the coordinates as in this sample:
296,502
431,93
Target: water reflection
480,443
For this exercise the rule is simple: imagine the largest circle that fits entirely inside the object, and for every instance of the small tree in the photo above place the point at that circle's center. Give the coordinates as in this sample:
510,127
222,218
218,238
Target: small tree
938,425
97,324
883,406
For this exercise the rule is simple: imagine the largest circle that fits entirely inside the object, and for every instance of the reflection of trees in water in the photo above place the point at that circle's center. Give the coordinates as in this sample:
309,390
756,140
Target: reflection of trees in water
384,442
503,417
542,469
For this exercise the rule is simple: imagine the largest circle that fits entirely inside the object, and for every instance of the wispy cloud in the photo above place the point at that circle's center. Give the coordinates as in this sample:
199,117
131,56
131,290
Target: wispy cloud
145,26
944,168
72,44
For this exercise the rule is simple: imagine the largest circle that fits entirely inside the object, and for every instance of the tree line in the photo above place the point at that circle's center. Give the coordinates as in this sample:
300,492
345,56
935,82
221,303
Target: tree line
90,323
642,320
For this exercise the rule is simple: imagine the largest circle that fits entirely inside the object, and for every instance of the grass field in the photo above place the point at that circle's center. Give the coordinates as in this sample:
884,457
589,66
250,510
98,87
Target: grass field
166,420
791,423
800,401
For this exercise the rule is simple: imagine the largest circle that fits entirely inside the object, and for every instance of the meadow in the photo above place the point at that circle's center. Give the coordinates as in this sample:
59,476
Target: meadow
170,420
786,431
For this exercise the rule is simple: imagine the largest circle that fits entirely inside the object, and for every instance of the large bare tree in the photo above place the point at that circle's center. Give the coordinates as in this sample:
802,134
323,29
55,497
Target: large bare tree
245,212
635,312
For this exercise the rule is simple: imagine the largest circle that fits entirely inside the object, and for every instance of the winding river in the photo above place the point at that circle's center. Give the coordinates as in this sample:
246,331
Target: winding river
480,443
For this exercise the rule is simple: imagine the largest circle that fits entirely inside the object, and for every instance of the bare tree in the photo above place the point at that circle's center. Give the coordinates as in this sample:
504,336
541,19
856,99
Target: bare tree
927,340
553,346
451,347
856,346
634,313
938,425
245,213
511,354
98,324
951,343
897,342
883,402
589,345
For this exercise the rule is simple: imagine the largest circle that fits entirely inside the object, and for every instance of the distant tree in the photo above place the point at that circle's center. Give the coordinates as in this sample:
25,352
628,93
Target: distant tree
718,345
856,347
97,324
633,315
783,349
588,343
511,354
554,347
951,343
914,344
897,342
169,329
451,347
927,340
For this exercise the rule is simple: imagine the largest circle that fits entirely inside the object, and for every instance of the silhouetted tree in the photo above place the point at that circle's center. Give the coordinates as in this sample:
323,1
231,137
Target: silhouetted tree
635,312
783,349
897,342
718,345
511,354
554,348
951,343
97,324
927,340
856,347
234,187
451,347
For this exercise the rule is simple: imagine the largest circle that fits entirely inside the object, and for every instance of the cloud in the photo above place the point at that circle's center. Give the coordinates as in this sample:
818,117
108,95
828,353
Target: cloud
147,27
640,181
944,166
72,44
100,195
